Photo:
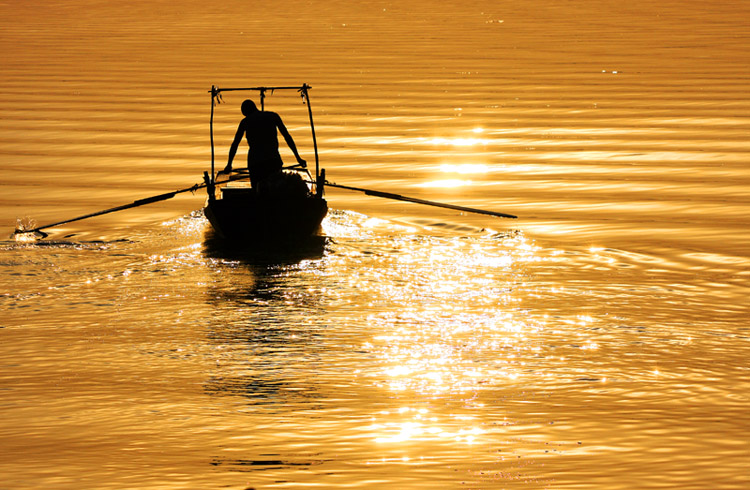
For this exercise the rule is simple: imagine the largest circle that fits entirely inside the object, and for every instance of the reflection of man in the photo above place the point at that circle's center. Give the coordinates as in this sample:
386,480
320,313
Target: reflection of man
260,127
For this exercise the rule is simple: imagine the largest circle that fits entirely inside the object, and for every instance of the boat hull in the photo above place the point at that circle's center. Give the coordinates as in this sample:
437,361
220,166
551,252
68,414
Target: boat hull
250,217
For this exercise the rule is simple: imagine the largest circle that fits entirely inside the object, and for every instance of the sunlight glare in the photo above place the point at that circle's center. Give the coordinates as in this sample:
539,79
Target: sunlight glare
465,168
458,141
447,183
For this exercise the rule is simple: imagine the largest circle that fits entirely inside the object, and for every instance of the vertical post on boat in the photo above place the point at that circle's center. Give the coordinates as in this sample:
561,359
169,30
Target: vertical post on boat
214,91
305,88
262,99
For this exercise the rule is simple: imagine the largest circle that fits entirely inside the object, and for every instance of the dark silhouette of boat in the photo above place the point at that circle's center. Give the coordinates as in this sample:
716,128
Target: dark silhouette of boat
286,206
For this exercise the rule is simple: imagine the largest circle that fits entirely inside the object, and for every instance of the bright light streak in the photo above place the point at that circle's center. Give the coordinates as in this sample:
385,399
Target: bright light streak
447,183
465,168
458,141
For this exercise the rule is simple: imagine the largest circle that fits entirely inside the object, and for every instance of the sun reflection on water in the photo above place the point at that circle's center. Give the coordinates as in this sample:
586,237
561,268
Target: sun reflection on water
465,168
459,141
449,331
446,183
418,424
461,359
458,350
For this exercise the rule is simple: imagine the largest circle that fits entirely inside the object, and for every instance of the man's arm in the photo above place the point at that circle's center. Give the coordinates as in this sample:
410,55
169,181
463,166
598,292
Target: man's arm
233,148
290,141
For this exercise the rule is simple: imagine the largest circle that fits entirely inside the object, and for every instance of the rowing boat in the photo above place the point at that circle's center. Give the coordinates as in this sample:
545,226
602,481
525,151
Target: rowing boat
286,206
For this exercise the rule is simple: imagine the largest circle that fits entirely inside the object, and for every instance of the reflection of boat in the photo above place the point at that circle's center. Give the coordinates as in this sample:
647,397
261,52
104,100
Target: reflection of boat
285,207
264,253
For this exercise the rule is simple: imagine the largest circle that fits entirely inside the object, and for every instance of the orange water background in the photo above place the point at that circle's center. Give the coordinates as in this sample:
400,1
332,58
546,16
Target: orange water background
600,341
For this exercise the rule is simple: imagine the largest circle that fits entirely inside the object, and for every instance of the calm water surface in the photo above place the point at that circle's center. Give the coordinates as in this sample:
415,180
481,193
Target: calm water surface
598,342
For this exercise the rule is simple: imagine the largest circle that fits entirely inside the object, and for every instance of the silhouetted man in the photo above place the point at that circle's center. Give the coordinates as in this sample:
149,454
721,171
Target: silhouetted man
263,157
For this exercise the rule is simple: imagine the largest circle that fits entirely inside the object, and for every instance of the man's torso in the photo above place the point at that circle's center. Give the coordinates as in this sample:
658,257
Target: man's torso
261,134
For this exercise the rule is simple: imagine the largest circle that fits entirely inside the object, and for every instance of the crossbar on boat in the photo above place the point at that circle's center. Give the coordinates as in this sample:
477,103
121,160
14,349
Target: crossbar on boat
300,87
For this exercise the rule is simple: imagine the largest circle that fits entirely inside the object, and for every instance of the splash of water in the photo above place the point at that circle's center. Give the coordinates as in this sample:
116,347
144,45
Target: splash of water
25,230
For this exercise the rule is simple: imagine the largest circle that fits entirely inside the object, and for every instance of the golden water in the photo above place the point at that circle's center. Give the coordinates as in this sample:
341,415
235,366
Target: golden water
600,341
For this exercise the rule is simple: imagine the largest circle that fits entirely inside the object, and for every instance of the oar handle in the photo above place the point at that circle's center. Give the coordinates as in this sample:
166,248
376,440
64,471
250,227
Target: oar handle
149,200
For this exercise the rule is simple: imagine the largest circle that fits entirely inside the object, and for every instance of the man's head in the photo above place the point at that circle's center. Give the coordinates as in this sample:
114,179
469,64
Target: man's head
248,107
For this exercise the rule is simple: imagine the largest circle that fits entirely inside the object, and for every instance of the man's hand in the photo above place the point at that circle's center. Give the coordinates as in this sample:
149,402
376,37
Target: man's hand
301,162
227,170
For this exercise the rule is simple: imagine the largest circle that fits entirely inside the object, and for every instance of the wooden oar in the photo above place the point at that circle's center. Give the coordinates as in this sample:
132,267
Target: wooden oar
398,197
134,204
